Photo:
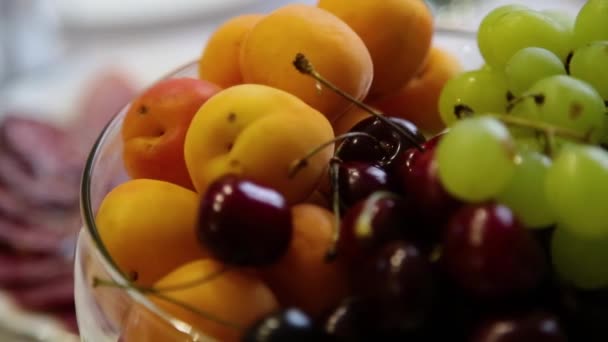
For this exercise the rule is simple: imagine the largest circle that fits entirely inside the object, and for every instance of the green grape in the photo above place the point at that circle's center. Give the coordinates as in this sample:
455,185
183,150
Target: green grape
527,140
529,65
504,35
561,17
590,64
590,24
475,158
604,137
488,21
567,102
525,192
576,187
580,261
478,91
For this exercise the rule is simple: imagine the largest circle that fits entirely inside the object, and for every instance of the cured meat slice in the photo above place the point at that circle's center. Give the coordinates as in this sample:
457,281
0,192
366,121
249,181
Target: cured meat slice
55,293
41,148
30,239
38,270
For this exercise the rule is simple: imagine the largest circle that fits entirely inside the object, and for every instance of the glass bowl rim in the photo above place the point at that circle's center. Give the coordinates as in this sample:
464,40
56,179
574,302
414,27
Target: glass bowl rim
88,216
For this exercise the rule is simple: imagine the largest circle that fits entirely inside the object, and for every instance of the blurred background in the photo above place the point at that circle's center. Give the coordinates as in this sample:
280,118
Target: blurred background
49,48
66,66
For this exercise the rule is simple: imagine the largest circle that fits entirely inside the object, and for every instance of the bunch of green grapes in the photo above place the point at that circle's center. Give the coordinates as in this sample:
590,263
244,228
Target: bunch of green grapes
527,129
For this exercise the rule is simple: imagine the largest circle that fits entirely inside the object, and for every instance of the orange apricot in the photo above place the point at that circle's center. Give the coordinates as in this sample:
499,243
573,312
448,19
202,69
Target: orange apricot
235,296
219,62
155,126
418,101
303,278
349,119
334,49
318,198
397,33
149,227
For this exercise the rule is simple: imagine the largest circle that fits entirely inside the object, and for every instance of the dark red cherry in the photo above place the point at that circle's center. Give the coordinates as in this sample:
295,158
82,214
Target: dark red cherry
355,321
397,285
490,254
416,174
530,327
371,223
244,223
384,148
357,180
288,324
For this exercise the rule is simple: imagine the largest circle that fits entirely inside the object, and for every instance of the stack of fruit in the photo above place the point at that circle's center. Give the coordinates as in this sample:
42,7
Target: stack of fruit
244,221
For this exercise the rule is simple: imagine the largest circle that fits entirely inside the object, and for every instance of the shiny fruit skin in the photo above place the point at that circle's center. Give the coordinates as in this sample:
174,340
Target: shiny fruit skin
334,49
397,283
368,225
243,223
533,327
288,324
399,49
357,180
220,61
155,126
149,228
382,150
490,254
417,177
258,132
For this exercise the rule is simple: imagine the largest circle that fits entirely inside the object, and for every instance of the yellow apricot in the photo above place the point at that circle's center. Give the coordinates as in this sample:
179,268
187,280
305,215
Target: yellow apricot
257,132
234,296
418,100
397,33
149,227
349,119
219,62
302,278
333,48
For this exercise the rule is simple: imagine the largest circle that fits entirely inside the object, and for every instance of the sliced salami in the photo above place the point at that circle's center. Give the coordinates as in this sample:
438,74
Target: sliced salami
41,148
57,292
30,239
39,270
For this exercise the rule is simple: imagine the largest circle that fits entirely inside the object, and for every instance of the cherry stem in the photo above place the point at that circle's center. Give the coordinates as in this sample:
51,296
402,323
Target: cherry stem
546,128
158,292
305,67
332,251
301,163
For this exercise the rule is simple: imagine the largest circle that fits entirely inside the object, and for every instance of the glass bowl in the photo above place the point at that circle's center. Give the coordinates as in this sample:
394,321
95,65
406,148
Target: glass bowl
103,311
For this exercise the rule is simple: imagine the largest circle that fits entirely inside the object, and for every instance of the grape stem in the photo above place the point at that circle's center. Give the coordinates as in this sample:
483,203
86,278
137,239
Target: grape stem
301,163
304,66
158,293
547,129
332,252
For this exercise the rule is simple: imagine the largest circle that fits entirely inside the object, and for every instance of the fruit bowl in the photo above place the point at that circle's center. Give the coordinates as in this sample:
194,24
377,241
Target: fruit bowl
102,310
